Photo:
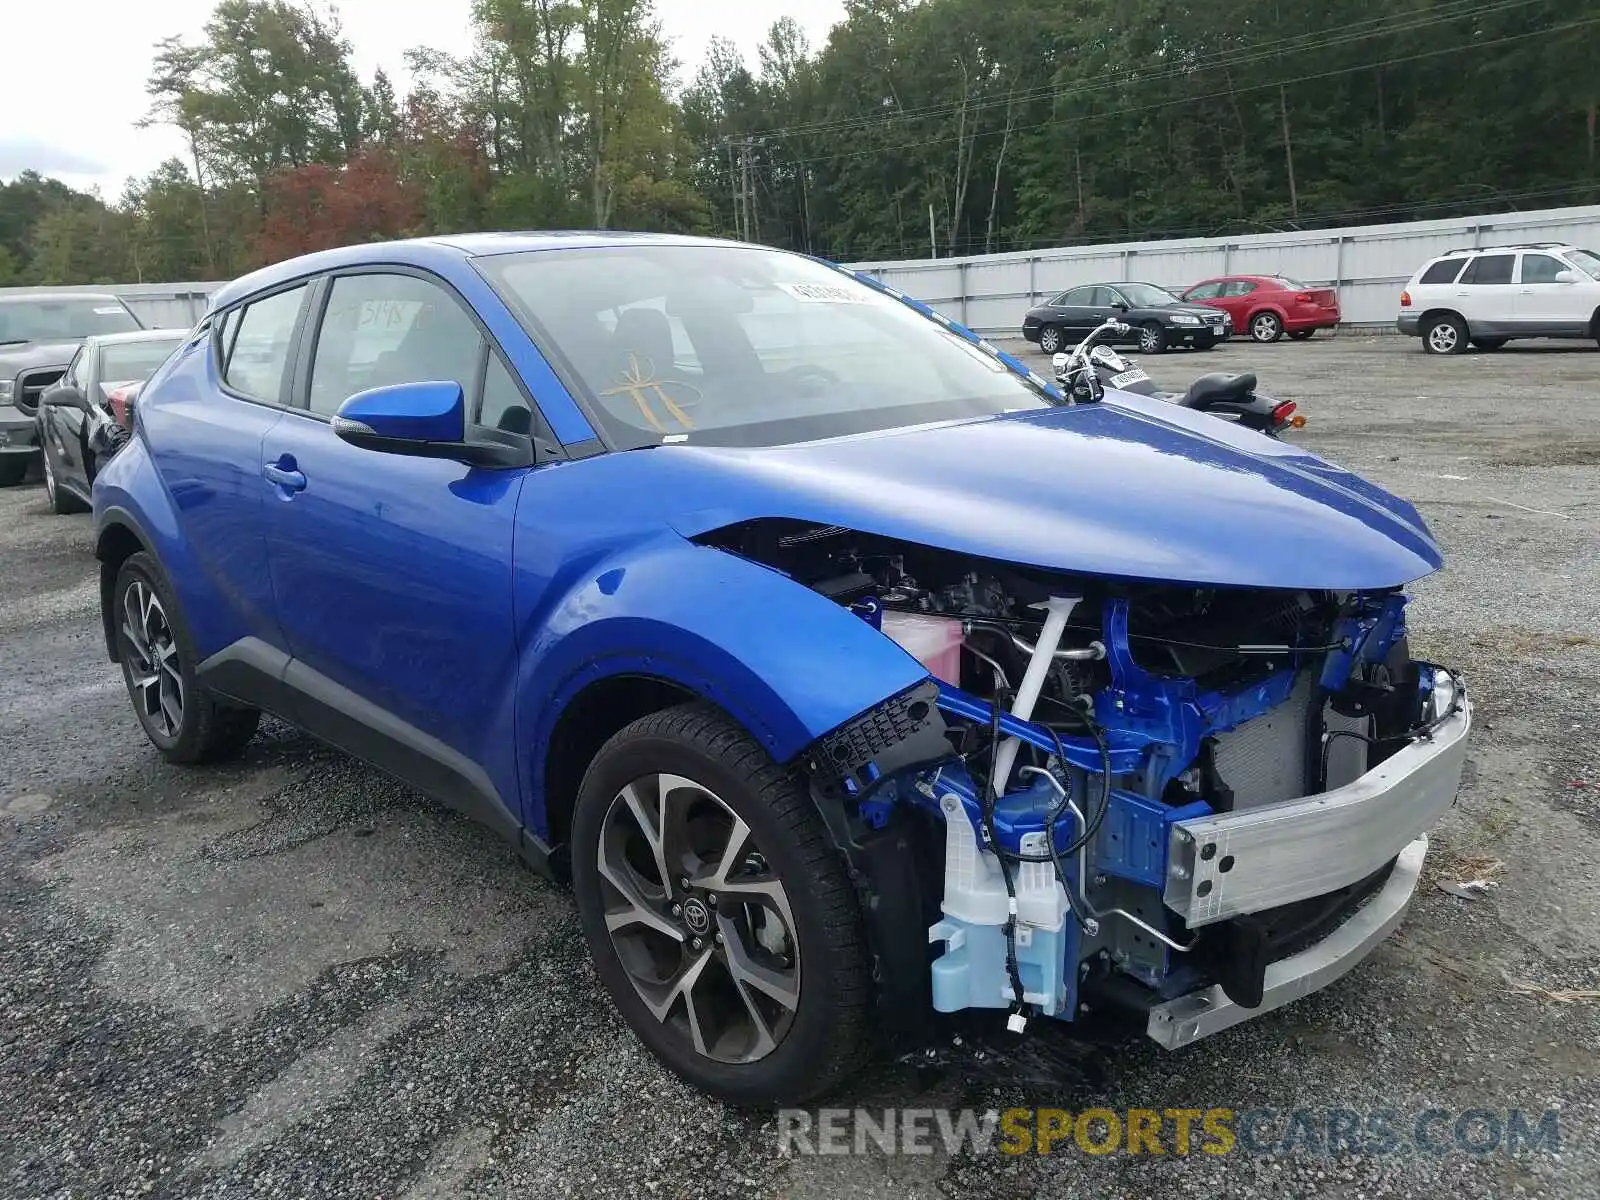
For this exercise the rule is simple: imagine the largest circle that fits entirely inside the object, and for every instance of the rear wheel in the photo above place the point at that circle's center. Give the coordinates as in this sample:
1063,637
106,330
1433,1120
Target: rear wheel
1300,335
1050,339
1265,327
718,911
1152,338
13,469
1489,343
1445,334
181,719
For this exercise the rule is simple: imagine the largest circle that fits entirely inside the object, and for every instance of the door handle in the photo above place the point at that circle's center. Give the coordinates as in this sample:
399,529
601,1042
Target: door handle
284,474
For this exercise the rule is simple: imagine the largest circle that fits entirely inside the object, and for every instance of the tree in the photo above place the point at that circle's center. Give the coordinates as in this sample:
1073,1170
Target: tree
315,207
269,86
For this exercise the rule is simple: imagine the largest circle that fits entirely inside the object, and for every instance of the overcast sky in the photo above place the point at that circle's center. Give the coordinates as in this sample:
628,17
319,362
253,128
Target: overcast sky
73,84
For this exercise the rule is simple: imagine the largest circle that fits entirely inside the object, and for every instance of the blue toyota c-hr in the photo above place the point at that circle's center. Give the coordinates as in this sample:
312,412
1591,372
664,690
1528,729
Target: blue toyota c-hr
852,673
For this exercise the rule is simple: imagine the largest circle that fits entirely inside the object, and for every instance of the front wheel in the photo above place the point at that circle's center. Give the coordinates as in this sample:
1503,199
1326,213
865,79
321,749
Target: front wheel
1300,335
1445,335
1265,327
1152,338
1050,339
718,912
181,719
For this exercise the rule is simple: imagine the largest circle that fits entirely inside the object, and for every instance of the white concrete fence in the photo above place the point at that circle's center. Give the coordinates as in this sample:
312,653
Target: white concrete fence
1368,265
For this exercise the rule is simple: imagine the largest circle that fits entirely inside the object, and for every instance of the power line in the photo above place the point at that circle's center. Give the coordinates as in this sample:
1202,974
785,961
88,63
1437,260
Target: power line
1062,123
1453,11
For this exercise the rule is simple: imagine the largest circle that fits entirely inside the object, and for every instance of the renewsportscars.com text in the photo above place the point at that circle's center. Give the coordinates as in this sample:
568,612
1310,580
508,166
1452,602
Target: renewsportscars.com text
1169,1131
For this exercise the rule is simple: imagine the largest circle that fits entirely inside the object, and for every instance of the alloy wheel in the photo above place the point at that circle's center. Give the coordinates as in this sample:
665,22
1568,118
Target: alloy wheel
1150,339
1050,341
1442,338
49,477
150,651
700,923
1264,328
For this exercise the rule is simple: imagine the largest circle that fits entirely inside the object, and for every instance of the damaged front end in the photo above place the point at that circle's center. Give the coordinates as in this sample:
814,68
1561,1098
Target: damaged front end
1187,804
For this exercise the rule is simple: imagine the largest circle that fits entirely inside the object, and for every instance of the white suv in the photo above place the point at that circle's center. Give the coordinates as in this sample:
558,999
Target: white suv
1488,296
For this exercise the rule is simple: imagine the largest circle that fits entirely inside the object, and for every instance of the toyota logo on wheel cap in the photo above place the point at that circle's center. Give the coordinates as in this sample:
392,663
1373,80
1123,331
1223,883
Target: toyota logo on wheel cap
696,915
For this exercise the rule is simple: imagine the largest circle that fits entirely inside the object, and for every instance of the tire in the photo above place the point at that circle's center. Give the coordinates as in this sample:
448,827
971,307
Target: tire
1300,335
151,636
13,469
1446,334
1050,340
61,503
787,1052
1152,338
1489,344
1265,327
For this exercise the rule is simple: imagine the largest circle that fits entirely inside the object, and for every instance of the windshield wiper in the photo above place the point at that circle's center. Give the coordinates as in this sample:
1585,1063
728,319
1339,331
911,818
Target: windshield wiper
15,341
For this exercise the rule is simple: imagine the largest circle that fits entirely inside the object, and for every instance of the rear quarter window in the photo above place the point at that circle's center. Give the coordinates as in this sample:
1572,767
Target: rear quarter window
1443,271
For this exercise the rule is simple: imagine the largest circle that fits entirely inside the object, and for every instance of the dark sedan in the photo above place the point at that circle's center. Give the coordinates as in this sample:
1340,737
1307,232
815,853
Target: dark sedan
74,413
1158,319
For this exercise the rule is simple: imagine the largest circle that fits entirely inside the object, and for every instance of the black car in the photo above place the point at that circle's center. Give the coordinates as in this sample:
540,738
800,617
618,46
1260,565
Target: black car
74,413
39,334
1159,319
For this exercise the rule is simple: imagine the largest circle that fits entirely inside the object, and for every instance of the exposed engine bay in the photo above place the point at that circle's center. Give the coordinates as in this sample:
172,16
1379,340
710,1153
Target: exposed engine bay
1133,796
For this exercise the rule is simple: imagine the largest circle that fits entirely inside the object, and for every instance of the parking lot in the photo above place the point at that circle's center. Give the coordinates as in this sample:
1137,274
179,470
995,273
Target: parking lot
292,976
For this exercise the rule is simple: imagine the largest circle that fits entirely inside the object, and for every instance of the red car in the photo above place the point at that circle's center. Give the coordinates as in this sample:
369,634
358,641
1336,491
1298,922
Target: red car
1269,306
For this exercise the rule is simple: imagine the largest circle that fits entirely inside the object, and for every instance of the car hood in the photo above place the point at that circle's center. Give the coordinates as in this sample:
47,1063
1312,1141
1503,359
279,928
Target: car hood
16,359
1132,487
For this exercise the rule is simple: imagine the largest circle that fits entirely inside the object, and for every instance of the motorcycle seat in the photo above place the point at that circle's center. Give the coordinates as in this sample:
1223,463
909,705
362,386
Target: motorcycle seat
1218,388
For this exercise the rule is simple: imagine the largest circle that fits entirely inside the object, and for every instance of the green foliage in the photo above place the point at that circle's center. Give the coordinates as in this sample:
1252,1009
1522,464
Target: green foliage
1016,123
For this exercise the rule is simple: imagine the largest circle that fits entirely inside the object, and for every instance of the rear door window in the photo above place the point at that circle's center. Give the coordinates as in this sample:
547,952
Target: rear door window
1490,269
1443,271
257,345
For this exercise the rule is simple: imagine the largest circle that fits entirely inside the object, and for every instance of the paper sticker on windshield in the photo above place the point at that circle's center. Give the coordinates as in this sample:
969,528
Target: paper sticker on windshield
111,311
824,293
1127,377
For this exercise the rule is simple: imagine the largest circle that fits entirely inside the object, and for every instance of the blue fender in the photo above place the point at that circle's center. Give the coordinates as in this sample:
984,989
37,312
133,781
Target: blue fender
785,662
128,492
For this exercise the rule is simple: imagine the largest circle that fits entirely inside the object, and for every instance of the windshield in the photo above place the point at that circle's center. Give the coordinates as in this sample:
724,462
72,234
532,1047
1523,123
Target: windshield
737,346
1586,261
1146,295
47,320
135,360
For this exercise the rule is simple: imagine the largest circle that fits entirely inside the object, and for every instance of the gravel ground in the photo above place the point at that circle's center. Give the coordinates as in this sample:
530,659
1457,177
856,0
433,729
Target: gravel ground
292,977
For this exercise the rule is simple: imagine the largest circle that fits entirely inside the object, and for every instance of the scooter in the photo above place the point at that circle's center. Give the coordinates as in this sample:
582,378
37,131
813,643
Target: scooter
1089,370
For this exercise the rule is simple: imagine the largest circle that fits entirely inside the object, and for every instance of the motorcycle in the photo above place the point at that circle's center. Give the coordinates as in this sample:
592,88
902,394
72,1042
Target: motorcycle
1090,369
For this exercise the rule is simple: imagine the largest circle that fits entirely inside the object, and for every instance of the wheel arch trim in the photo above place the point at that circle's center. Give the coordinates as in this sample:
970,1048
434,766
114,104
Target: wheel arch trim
115,528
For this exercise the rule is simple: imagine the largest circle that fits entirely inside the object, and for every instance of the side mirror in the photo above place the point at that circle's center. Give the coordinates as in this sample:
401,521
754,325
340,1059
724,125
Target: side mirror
65,396
1566,277
425,420
1120,305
